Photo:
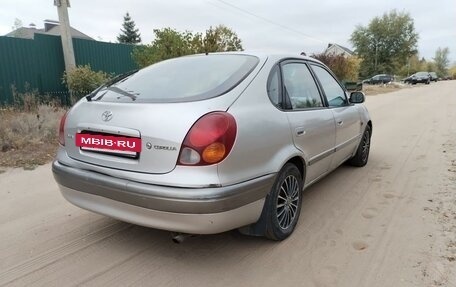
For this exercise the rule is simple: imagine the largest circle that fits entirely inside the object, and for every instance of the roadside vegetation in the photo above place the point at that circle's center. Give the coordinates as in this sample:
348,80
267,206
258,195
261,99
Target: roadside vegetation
29,127
28,131
372,90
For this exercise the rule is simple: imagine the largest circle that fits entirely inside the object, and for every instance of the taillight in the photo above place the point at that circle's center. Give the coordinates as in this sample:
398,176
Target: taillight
62,129
209,140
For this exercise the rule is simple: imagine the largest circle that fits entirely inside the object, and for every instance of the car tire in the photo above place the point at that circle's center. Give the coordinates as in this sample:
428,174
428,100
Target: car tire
283,203
362,153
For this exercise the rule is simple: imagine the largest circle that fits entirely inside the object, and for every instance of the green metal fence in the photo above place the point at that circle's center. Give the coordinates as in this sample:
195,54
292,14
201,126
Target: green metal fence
38,64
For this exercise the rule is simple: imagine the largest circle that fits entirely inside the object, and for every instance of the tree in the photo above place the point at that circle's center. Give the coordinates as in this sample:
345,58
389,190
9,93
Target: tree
345,69
386,44
169,43
441,61
221,39
17,24
129,34
17,31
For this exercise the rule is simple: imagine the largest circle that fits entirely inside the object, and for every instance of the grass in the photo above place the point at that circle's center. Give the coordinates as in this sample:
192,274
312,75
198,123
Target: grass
371,90
29,137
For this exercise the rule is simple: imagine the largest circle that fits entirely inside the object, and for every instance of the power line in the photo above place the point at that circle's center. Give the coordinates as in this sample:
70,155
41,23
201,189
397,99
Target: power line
270,21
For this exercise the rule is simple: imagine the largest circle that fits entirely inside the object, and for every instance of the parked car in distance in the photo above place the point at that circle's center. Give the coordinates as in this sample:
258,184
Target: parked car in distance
434,77
379,79
208,143
420,77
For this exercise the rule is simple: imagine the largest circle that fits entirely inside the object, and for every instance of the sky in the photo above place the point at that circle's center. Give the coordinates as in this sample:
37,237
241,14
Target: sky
263,25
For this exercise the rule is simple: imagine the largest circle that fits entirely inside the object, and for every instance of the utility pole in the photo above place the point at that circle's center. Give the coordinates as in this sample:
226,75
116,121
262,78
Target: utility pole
65,33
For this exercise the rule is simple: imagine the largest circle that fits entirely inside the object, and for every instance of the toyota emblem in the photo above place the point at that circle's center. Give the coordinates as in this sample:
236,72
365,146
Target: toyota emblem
106,116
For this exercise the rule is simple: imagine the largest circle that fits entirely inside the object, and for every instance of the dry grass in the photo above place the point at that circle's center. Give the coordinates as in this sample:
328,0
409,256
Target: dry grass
29,138
371,90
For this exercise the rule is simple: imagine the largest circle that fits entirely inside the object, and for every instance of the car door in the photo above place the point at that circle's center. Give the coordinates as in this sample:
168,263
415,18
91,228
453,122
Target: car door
346,116
311,122
376,79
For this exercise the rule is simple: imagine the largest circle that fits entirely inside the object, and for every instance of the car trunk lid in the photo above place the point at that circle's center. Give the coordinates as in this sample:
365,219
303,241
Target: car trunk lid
159,129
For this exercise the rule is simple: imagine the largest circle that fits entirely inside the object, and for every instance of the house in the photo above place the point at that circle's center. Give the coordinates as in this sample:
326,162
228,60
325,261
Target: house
51,27
335,49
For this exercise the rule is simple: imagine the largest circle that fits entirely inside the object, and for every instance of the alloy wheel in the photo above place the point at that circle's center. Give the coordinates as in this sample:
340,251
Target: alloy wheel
365,146
287,201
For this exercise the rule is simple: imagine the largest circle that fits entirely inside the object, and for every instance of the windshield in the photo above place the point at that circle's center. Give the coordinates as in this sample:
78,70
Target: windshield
183,79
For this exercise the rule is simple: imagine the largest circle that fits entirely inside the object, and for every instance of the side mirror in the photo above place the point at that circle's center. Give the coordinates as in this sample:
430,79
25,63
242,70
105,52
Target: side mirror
357,97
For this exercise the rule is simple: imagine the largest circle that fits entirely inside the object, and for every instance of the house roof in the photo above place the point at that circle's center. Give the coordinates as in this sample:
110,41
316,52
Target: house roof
342,47
54,29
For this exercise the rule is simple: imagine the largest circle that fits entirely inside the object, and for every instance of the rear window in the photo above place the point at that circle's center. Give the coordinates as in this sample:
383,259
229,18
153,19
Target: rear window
184,79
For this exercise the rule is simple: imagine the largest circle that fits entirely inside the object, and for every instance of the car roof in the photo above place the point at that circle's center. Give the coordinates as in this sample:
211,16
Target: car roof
265,55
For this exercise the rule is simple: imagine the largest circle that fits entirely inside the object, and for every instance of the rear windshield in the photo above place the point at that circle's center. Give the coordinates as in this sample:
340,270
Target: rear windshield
185,79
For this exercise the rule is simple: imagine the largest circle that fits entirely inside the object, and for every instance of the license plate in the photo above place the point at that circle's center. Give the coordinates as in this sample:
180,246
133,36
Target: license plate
112,143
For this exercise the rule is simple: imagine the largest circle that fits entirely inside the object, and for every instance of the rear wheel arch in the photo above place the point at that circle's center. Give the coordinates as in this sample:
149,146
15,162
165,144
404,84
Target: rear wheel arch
262,226
300,163
369,123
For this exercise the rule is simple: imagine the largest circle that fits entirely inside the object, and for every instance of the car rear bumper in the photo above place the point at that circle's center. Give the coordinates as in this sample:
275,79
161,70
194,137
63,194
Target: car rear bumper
189,210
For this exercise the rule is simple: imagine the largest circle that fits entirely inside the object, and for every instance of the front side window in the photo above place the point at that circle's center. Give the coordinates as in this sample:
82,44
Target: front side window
300,86
334,93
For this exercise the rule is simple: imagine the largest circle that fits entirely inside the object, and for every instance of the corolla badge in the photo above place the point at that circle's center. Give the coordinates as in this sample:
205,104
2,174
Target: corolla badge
106,116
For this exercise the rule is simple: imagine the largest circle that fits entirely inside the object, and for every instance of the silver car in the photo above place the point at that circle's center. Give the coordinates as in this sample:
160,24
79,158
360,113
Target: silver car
208,143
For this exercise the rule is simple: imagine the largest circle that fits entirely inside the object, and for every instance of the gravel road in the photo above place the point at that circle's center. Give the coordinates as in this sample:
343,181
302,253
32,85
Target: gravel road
391,223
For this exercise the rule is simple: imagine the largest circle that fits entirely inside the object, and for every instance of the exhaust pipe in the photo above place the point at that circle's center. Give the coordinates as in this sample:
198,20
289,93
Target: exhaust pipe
179,237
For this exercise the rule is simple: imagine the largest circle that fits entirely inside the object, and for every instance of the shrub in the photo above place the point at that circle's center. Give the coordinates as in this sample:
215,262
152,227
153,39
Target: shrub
30,99
82,80
345,69
27,101
19,129
452,72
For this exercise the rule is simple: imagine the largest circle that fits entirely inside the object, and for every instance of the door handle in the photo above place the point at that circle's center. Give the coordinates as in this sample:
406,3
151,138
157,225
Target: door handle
300,131
340,122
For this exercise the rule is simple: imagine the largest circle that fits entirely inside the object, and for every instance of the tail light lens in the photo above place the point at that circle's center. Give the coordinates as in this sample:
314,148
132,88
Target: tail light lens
62,129
209,140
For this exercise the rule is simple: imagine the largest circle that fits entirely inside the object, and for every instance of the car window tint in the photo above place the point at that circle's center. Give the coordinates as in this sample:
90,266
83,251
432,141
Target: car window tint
273,86
183,79
334,93
300,86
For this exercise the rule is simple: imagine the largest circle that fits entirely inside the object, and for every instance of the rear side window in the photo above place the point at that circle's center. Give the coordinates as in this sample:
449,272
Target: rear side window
334,93
300,86
274,86
182,79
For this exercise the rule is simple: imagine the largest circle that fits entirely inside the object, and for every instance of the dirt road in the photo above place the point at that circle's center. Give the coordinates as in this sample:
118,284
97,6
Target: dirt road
391,223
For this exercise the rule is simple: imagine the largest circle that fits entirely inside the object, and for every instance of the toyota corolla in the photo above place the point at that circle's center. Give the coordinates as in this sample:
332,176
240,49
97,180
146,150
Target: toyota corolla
208,143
